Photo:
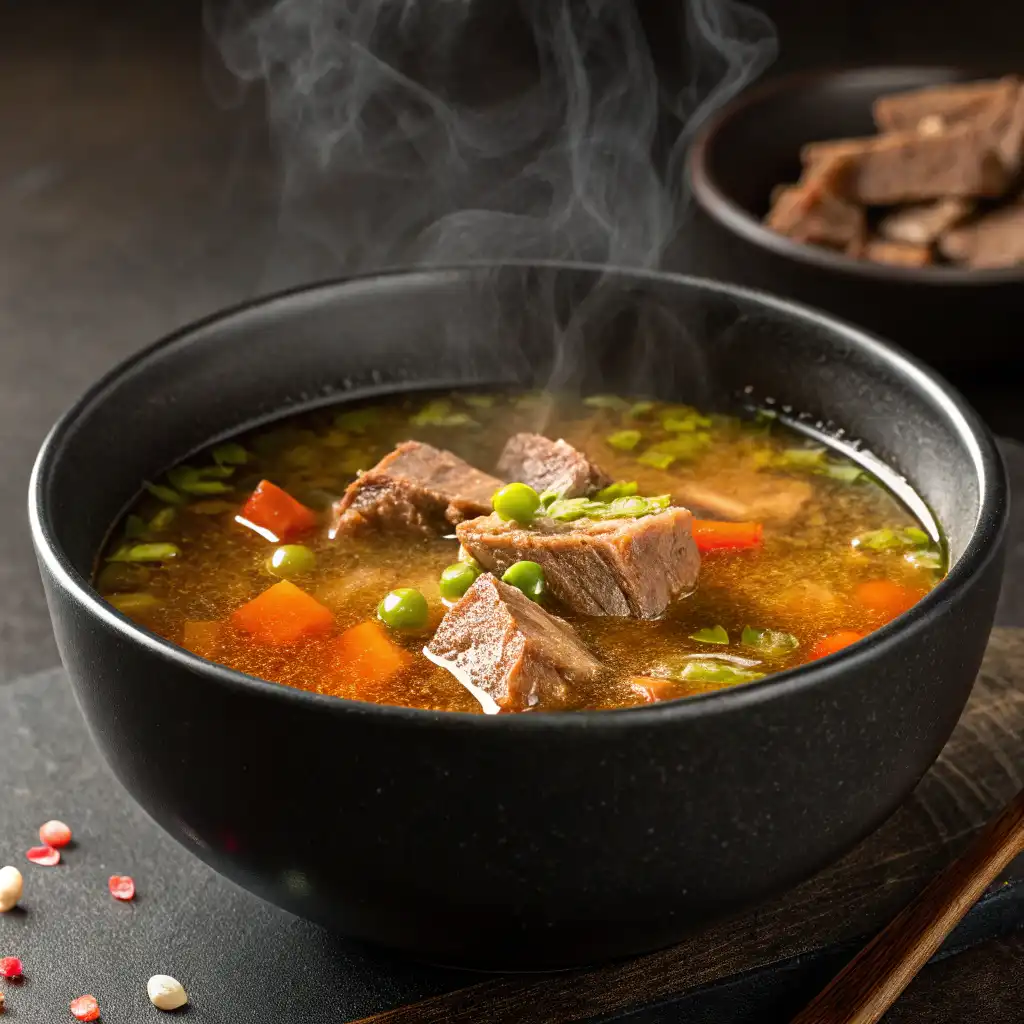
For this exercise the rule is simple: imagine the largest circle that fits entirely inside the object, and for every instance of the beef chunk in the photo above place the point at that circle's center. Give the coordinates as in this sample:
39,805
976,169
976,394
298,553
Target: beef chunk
907,167
627,567
904,111
923,224
415,488
993,240
898,254
550,466
509,652
812,212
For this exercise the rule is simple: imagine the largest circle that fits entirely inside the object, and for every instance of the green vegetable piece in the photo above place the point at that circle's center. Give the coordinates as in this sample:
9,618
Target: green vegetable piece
117,577
708,671
844,473
135,604
163,519
640,409
619,489
624,440
916,536
193,481
548,498
613,402
625,508
405,608
659,460
924,559
230,454
135,527
438,413
164,493
457,579
712,635
291,560
145,553
479,401
358,421
802,458
528,577
568,510
517,502
772,642
684,446
878,540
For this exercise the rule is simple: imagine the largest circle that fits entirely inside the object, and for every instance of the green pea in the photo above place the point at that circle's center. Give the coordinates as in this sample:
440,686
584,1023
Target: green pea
291,560
527,577
457,579
405,608
516,501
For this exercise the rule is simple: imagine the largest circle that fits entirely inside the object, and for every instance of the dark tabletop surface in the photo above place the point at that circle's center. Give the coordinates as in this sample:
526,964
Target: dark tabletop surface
130,204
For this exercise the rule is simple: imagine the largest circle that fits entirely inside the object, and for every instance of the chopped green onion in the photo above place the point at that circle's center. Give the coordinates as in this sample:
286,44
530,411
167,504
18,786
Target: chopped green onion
231,453
684,419
145,553
802,458
547,497
438,413
845,474
916,536
566,510
711,635
624,440
135,604
769,641
924,559
613,402
659,460
640,409
168,494
479,401
193,481
684,446
357,420
619,489
162,519
135,527
707,671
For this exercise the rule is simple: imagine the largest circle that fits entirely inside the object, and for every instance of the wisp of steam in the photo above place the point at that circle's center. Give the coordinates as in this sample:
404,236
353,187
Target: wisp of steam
441,131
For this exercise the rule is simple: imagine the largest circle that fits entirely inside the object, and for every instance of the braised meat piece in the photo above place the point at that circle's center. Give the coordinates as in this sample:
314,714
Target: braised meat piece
625,567
415,488
993,240
904,111
508,651
923,224
908,167
548,465
812,212
897,254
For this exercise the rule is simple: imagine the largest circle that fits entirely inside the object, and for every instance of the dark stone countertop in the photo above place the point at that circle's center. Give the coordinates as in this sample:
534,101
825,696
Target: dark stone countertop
131,204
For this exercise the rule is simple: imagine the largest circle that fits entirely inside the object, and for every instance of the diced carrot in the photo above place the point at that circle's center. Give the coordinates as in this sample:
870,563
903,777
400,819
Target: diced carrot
650,689
366,657
202,638
275,511
836,642
711,535
885,599
283,614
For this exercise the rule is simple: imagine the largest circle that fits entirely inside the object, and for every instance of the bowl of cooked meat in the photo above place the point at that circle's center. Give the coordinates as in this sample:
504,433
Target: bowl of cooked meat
520,616
888,196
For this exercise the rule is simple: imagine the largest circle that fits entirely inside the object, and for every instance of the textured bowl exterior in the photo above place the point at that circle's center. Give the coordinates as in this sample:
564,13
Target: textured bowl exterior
948,316
533,841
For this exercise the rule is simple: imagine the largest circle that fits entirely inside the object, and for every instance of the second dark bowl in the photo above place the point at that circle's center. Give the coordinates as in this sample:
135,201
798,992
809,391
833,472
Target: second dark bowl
948,316
527,841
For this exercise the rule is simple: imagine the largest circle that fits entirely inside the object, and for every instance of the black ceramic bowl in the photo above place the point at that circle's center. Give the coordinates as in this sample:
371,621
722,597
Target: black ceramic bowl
529,841
950,317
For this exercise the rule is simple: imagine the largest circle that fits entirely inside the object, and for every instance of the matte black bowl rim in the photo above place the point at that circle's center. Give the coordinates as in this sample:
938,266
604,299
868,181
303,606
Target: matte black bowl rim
741,222
979,550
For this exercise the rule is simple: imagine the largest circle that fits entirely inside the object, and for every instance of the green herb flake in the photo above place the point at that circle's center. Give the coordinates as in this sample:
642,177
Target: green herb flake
145,553
711,635
624,440
707,671
619,489
771,642
612,402
162,520
438,413
164,493
230,454
659,460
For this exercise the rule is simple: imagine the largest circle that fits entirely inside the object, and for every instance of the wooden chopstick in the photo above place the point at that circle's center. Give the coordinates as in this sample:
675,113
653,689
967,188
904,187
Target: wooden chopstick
874,979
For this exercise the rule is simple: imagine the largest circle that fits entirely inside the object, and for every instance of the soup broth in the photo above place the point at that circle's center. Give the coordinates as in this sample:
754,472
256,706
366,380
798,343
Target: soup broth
801,552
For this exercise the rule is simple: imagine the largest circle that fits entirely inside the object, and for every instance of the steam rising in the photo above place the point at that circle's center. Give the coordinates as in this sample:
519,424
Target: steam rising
438,131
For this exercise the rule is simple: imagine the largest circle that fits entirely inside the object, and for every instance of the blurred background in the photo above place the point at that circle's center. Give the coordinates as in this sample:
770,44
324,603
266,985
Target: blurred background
141,186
